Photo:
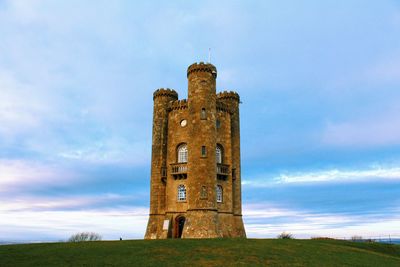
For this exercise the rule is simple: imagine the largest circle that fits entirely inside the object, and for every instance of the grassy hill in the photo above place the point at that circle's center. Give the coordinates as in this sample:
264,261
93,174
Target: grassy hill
208,252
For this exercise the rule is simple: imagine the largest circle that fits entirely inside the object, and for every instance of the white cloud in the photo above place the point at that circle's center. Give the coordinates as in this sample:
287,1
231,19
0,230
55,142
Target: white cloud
111,150
333,175
31,174
43,203
45,218
58,97
56,218
21,110
59,225
263,220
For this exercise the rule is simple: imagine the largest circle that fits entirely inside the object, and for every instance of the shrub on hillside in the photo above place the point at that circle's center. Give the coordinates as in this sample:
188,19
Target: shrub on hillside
285,235
84,236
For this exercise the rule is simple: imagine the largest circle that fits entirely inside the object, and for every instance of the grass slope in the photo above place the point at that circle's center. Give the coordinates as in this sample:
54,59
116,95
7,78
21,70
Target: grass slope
206,252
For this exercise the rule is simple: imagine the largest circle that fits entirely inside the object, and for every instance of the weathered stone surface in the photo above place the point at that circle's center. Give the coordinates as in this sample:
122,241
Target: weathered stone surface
211,119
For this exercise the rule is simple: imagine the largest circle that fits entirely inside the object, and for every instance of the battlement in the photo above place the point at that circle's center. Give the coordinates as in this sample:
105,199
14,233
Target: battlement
165,92
178,105
225,95
221,106
202,67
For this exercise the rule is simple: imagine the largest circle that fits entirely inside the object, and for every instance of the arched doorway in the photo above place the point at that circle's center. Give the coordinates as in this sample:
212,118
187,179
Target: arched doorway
179,223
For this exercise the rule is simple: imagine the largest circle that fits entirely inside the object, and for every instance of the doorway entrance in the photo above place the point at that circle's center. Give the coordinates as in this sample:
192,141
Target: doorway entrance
179,223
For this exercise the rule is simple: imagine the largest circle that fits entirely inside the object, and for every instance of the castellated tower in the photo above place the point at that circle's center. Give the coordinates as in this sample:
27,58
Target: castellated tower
195,165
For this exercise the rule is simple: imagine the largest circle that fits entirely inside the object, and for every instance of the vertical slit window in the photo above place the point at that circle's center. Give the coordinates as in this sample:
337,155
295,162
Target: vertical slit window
218,154
203,151
203,114
219,194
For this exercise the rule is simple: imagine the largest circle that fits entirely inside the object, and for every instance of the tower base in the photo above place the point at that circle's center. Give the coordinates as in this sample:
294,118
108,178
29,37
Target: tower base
201,224
155,227
239,226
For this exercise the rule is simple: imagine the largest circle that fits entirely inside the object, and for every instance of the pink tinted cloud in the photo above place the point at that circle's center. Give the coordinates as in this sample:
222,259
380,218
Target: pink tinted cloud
382,130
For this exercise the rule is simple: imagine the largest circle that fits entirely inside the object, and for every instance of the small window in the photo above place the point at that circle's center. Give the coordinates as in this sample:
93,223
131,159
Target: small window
203,114
183,123
181,193
182,154
219,194
203,151
218,154
163,172
218,124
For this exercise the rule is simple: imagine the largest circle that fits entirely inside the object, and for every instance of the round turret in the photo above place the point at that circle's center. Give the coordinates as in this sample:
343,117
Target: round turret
202,67
165,92
228,96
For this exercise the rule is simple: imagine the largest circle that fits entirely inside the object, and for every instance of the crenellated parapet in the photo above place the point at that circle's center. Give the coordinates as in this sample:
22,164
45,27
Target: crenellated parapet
202,67
221,106
178,105
165,92
231,95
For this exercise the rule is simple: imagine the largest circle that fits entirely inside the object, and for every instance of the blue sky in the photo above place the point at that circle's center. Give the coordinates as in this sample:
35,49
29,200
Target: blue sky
320,124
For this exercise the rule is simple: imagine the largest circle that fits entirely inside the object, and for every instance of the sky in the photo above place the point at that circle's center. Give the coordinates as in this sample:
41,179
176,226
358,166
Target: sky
320,127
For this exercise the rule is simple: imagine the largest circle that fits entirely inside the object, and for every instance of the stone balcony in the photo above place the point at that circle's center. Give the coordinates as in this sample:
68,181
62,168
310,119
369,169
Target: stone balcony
179,170
222,171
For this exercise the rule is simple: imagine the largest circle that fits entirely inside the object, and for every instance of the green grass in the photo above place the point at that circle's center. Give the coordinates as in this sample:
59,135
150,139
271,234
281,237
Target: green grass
206,252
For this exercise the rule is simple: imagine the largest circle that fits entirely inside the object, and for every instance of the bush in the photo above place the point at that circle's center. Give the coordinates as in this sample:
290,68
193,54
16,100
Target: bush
285,235
84,236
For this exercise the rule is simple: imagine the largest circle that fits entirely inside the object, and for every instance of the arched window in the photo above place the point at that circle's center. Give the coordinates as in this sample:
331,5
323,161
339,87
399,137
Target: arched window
219,154
219,193
182,153
203,114
181,192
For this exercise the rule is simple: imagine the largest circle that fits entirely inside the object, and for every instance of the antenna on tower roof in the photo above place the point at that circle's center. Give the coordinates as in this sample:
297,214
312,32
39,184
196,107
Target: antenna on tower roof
209,55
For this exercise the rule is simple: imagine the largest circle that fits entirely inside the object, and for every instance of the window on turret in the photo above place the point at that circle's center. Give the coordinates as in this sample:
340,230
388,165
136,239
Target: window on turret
219,194
218,154
203,114
203,151
181,193
182,153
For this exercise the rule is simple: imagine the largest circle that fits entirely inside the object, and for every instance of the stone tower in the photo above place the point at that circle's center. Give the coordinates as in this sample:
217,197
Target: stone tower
195,166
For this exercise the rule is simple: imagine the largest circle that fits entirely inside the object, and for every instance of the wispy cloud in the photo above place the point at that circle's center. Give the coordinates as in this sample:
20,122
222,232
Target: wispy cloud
264,220
59,225
19,113
379,130
34,203
56,218
111,151
22,173
332,175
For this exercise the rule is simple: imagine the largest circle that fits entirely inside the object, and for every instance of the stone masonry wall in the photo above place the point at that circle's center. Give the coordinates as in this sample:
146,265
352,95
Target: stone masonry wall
218,124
